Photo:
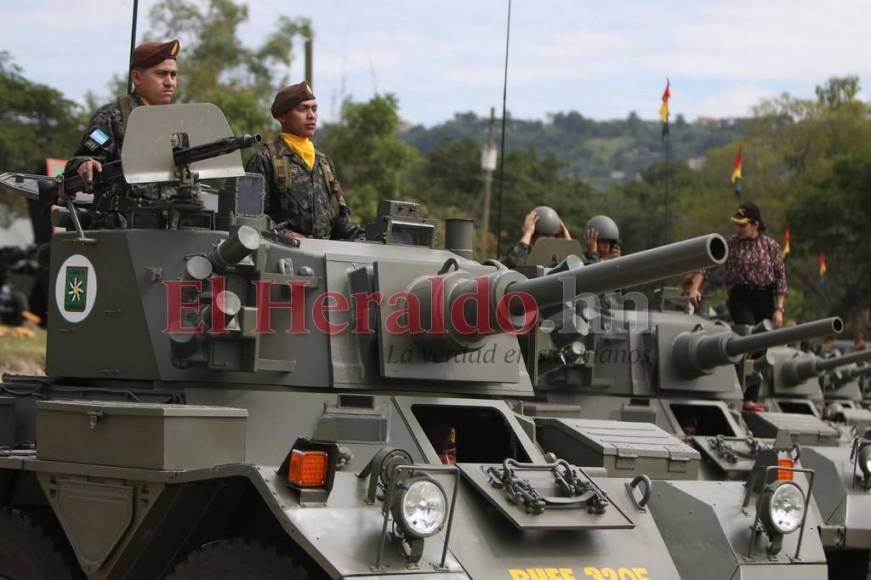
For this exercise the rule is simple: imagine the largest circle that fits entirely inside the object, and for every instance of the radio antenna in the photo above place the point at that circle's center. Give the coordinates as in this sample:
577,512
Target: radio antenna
502,145
132,46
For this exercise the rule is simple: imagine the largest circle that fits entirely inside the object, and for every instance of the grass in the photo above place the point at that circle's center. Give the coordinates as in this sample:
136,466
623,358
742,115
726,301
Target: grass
23,355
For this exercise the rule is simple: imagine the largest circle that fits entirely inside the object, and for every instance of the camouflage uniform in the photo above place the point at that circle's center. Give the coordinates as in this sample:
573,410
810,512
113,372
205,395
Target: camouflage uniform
308,202
111,119
516,255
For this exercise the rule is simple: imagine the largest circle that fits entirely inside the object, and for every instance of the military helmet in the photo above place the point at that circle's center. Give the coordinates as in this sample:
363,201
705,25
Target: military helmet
606,227
548,223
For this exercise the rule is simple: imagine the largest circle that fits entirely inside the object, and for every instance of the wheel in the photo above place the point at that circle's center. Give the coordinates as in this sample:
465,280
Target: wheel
31,550
238,559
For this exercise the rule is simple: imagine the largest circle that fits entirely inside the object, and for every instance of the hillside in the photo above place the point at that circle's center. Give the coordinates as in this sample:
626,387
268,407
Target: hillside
600,152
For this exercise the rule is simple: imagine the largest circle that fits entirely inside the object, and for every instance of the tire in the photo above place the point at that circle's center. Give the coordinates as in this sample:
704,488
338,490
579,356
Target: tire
31,550
238,559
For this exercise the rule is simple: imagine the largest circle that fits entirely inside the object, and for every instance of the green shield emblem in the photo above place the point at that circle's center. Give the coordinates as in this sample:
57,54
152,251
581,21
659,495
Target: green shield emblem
76,288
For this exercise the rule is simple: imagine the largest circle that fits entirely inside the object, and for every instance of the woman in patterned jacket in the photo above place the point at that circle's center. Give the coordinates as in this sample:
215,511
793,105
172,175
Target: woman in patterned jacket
755,273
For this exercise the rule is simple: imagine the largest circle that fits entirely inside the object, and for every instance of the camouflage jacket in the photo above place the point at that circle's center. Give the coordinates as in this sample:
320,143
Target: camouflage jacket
519,252
107,125
308,202
516,255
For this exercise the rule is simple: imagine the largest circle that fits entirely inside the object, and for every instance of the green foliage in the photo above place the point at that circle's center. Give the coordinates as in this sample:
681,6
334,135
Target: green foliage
36,121
216,67
838,91
369,156
832,216
600,152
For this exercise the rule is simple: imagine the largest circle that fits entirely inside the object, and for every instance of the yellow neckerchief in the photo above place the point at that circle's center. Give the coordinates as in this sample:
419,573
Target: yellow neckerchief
141,98
302,146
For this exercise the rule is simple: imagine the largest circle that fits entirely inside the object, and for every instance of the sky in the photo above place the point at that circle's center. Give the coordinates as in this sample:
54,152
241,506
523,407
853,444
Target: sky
600,58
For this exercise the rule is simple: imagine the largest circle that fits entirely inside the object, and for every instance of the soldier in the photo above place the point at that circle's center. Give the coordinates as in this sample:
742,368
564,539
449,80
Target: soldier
153,72
542,222
303,195
602,238
443,438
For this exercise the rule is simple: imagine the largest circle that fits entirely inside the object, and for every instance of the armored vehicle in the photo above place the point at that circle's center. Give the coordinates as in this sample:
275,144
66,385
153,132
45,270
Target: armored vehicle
795,381
614,357
225,402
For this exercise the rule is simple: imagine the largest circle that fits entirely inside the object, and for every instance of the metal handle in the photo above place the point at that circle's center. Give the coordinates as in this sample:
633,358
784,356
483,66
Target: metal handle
640,504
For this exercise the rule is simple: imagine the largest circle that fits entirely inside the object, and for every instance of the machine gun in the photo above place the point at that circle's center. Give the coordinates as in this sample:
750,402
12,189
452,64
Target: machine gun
697,353
52,190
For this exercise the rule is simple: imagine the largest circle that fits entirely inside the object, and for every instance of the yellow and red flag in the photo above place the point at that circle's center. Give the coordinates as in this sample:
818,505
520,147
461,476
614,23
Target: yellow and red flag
663,108
786,242
736,172
823,267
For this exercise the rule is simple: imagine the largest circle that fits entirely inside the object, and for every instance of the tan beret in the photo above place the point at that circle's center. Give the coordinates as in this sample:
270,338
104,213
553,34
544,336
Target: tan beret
290,96
149,54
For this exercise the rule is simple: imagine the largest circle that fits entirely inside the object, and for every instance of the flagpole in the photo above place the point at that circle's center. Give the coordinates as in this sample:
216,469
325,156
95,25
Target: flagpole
666,139
667,187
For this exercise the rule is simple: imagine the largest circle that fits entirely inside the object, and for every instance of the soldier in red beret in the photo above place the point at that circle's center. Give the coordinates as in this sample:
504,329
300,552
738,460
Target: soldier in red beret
303,195
153,72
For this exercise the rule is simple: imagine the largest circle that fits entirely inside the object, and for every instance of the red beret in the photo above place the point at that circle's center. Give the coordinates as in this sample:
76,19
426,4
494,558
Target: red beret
289,97
149,54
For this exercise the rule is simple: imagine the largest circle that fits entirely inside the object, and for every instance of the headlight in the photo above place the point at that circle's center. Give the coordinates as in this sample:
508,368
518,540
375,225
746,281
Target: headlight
783,507
421,507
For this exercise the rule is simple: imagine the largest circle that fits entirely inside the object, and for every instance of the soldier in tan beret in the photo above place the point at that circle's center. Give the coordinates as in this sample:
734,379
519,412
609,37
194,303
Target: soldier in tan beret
154,74
303,195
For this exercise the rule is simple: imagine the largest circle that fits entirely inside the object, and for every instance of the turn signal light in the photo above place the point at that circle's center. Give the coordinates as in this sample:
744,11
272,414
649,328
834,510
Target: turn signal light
784,474
308,468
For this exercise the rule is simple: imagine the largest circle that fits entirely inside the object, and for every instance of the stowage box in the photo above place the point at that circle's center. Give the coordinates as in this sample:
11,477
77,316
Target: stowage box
621,448
140,435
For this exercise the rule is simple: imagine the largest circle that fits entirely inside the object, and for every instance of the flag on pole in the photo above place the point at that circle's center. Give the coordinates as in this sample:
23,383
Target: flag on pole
786,242
823,268
736,172
663,108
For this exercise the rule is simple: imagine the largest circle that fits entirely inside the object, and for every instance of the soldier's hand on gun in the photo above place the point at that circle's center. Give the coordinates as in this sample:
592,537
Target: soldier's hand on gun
87,170
591,238
564,231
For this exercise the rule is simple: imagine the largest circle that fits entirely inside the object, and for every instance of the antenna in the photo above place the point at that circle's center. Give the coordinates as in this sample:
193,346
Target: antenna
502,146
132,46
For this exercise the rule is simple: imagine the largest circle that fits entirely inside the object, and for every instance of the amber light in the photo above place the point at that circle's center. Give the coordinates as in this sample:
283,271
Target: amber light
782,473
308,468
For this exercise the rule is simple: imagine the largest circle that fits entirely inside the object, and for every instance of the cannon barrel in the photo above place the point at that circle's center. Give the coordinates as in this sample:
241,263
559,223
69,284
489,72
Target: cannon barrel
631,270
448,293
700,352
751,343
797,370
826,364
860,371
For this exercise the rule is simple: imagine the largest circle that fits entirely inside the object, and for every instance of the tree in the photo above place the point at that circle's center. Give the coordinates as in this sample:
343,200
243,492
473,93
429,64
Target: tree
36,121
216,67
832,217
370,158
838,91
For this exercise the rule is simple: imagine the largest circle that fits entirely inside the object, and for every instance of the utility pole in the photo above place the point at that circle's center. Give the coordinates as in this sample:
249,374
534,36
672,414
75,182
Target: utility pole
309,40
488,165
